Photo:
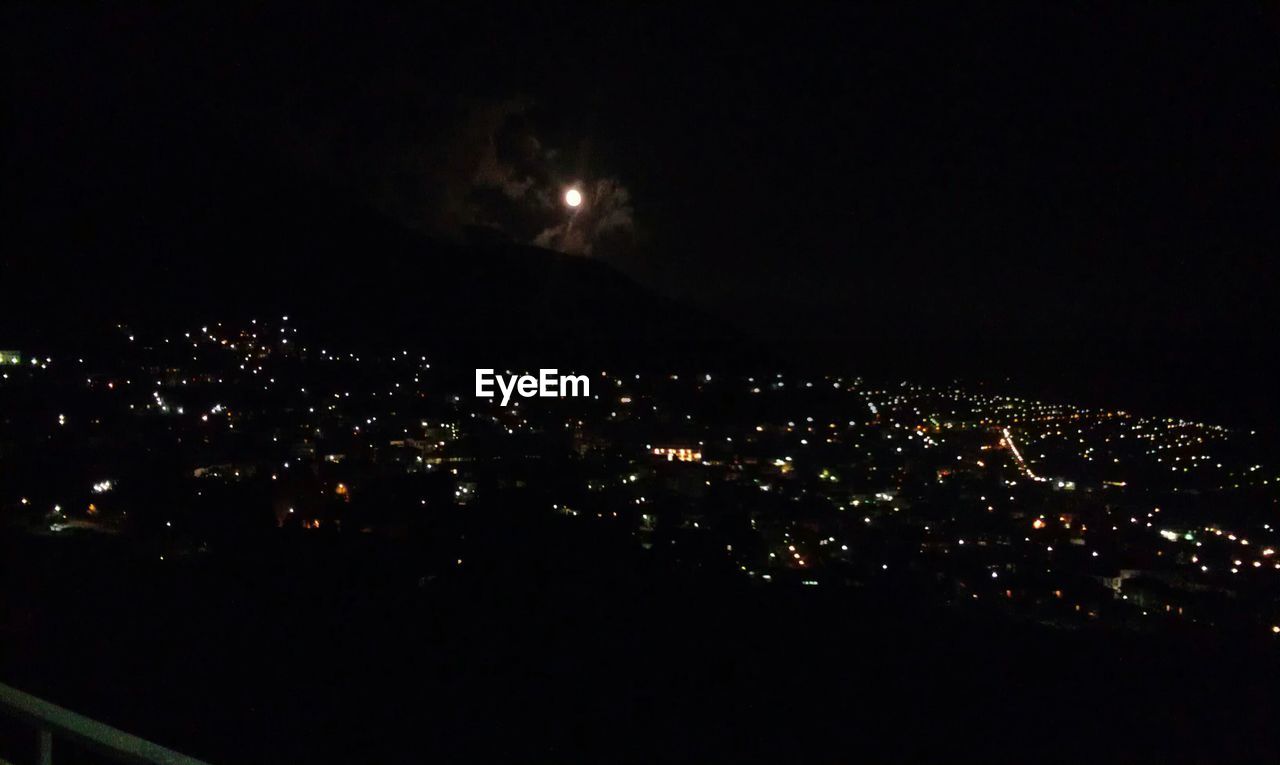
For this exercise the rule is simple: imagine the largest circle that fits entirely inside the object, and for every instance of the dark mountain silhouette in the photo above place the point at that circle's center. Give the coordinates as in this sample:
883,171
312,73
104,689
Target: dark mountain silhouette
189,237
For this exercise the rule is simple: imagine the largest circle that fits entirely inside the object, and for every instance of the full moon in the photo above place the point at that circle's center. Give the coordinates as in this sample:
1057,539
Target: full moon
573,197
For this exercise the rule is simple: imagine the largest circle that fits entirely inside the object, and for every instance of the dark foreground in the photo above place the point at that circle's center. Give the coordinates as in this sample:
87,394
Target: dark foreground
546,645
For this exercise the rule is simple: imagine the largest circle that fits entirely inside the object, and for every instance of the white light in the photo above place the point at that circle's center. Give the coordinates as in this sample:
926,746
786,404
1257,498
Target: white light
573,197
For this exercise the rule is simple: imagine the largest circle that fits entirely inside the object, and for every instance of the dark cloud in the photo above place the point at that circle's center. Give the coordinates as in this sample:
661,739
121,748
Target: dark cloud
479,166
519,189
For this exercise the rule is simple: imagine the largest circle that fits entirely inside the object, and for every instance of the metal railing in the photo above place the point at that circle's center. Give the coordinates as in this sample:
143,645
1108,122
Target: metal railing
50,720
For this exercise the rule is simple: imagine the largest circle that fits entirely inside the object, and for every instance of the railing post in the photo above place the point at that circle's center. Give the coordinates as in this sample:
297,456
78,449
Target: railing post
46,747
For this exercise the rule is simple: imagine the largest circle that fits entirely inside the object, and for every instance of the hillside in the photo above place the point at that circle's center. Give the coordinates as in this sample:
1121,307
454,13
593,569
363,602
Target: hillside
228,236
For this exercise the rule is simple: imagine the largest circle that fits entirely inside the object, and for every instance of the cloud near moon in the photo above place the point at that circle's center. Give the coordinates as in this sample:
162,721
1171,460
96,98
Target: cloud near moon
518,190
472,169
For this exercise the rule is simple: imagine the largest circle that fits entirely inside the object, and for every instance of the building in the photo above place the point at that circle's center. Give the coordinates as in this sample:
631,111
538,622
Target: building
681,453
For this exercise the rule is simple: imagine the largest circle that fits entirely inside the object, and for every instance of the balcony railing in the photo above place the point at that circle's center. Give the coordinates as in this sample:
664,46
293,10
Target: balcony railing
51,722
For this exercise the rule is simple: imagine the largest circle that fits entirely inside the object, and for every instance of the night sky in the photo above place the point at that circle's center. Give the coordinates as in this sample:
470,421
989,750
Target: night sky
1080,197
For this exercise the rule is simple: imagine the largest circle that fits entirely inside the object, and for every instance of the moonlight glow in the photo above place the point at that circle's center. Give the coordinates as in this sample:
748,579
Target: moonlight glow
573,197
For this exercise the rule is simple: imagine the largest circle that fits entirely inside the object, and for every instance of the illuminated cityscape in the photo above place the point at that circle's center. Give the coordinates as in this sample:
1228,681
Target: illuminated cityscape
1059,514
